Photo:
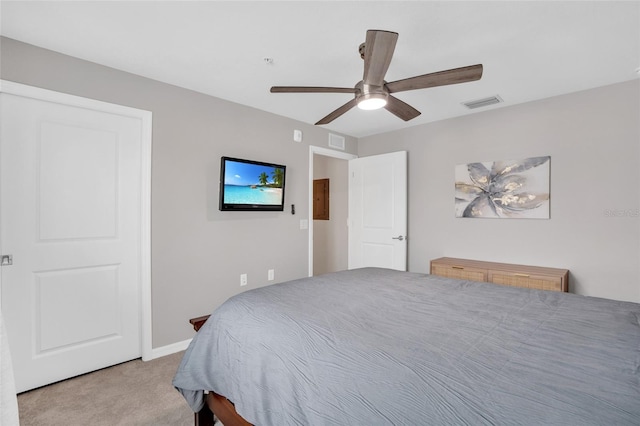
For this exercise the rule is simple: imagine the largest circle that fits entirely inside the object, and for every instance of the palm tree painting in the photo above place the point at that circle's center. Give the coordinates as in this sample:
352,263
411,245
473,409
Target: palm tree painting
503,189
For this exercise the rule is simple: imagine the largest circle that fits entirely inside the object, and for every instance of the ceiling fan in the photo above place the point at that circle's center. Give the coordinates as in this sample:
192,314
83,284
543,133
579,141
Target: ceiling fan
373,92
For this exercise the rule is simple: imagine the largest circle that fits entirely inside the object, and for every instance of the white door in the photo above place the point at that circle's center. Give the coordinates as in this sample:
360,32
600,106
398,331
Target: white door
71,218
378,211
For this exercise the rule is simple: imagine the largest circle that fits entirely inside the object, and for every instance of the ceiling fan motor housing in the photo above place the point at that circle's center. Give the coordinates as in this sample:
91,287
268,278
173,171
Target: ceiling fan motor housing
365,92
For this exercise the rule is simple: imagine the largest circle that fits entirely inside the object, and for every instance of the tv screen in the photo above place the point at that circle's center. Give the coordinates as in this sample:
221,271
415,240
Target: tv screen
251,185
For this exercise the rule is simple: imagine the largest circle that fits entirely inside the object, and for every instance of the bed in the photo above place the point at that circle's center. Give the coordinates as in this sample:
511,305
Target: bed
375,346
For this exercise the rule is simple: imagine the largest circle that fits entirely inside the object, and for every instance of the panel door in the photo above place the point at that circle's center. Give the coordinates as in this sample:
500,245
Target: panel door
70,216
378,211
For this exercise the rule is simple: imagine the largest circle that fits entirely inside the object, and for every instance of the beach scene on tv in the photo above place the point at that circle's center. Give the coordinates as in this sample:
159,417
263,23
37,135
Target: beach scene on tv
246,183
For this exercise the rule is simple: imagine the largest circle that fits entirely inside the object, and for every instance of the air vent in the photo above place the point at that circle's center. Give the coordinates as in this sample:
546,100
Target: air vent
480,103
336,141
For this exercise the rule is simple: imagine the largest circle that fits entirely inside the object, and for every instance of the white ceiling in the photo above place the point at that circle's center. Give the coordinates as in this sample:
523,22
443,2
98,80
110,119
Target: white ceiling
530,50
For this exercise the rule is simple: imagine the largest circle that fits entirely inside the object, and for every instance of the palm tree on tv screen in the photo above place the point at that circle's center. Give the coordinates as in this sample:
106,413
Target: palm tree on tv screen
277,175
263,178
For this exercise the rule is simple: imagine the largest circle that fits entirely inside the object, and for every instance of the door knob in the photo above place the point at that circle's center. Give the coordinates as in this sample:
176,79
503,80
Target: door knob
398,238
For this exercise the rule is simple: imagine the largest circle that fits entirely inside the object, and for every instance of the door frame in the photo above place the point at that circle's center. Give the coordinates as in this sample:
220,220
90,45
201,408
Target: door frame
145,118
317,150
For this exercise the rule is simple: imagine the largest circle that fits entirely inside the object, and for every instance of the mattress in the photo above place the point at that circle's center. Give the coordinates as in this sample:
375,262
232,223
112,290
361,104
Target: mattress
376,346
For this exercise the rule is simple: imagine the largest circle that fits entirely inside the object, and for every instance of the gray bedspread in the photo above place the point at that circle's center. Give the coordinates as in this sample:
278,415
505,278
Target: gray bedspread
380,347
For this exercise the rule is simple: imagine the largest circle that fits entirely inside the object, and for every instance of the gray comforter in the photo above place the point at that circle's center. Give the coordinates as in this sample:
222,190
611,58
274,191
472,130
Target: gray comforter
380,347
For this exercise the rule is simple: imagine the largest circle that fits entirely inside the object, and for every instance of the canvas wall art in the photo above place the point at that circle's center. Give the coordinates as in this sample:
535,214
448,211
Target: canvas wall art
503,189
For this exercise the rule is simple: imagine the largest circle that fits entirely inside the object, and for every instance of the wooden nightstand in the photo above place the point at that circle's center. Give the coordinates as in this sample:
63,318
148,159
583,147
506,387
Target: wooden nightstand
199,321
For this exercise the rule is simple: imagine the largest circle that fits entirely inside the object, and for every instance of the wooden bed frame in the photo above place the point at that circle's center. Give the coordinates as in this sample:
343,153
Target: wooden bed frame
219,407
216,406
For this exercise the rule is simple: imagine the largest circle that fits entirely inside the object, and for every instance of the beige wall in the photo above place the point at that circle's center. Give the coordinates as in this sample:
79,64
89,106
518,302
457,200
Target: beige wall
198,252
330,237
593,139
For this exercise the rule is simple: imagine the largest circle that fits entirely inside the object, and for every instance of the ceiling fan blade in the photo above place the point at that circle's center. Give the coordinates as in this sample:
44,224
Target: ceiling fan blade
337,113
303,89
378,50
440,78
401,109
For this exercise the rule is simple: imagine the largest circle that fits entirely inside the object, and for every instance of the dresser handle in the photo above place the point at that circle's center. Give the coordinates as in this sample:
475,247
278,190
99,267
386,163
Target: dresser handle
522,275
457,267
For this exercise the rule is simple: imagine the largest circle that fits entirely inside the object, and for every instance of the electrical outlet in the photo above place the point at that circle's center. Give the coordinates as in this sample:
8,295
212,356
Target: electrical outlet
243,279
271,275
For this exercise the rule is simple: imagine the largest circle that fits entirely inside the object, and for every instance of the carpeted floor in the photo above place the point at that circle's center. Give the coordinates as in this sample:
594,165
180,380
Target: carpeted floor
135,393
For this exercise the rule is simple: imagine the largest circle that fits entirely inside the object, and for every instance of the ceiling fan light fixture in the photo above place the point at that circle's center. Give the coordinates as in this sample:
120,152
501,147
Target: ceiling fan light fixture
372,101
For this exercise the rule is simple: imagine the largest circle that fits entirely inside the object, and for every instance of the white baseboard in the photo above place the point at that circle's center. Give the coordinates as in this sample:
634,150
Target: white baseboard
169,349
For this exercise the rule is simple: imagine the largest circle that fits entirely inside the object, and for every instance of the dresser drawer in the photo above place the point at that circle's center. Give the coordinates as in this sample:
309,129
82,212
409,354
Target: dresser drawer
516,279
459,272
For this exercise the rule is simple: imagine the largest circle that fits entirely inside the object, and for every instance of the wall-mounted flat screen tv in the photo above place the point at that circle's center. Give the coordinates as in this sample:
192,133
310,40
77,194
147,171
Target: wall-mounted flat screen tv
251,185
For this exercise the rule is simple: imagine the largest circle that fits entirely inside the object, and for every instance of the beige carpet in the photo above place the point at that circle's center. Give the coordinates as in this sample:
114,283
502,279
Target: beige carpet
133,393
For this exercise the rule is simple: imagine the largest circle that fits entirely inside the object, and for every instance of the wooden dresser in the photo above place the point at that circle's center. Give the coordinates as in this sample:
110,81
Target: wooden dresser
502,273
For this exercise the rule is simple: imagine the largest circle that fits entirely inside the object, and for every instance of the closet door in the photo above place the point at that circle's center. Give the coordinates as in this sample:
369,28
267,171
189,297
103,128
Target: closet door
71,220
